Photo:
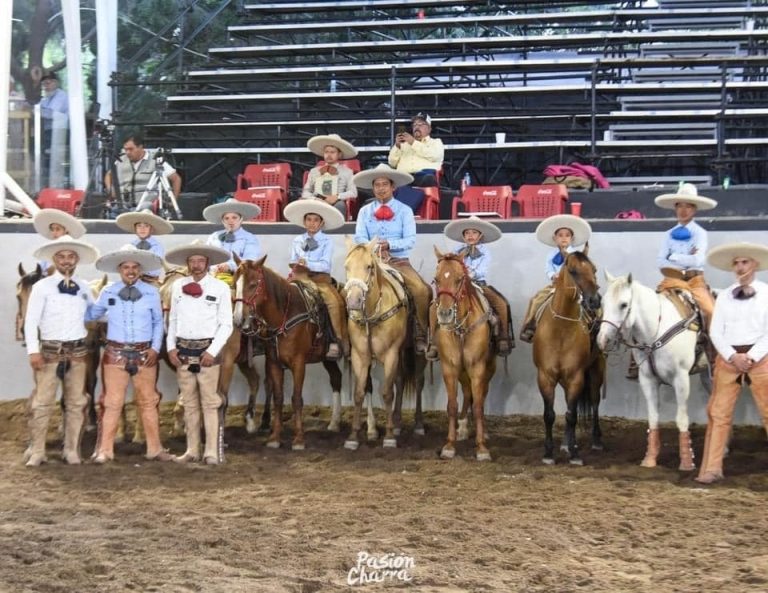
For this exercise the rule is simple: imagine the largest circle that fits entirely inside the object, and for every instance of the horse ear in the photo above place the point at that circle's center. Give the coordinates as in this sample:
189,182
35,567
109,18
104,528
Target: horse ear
438,253
22,273
629,278
585,251
236,259
261,260
608,276
372,244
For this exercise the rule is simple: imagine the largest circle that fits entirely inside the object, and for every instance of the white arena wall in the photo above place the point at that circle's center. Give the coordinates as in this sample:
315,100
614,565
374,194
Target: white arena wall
517,271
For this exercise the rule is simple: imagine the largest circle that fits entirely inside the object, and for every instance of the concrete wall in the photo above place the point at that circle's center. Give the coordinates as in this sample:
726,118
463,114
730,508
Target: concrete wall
518,271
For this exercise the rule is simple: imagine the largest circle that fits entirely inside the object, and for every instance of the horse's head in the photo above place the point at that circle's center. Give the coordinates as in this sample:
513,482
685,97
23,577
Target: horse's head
23,290
617,310
583,273
452,284
361,268
250,291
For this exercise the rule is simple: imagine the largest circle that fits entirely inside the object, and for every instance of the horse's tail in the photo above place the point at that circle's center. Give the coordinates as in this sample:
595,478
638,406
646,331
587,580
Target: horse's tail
408,372
589,398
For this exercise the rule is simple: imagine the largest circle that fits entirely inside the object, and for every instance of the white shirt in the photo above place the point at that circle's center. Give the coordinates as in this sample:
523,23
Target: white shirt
203,317
740,322
56,315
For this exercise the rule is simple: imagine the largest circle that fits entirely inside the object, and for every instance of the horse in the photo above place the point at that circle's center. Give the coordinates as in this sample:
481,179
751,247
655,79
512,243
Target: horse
236,351
463,340
276,311
564,353
378,320
664,345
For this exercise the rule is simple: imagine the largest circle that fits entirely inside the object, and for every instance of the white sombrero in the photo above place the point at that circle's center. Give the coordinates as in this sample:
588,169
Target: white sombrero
579,227
722,257
455,230
178,256
128,220
110,262
686,193
297,210
366,178
247,210
44,218
87,253
316,144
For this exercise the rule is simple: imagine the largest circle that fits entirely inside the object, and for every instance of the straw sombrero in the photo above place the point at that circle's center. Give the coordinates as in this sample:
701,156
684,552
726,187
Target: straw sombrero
546,230
44,218
366,178
297,210
316,144
110,262
455,230
178,256
247,210
128,220
87,253
686,193
722,257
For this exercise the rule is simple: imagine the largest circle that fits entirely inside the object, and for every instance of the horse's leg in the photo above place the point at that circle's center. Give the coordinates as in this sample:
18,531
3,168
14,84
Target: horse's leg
178,417
650,388
451,387
275,371
596,378
252,377
389,361
547,390
334,374
372,433
682,387
362,366
466,404
418,420
297,402
573,389
398,387
479,391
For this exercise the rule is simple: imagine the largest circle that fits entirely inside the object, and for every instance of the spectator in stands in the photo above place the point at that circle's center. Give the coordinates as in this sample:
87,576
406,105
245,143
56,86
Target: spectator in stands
392,223
739,331
331,182
235,239
54,109
419,155
134,171
146,225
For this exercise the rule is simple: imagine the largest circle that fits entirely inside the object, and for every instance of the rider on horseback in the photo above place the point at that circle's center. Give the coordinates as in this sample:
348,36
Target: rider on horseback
234,239
52,224
562,231
146,225
311,259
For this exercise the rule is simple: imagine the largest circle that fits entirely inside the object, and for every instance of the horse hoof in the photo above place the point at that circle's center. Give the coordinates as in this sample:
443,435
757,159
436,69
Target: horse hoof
297,447
598,447
564,448
372,436
390,443
419,431
396,431
334,427
576,461
687,467
351,445
447,453
483,456
648,463
250,425
548,461
273,444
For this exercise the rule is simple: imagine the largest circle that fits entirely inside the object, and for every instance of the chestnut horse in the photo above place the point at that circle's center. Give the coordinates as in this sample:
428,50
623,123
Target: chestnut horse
378,329
565,353
463,339
275,310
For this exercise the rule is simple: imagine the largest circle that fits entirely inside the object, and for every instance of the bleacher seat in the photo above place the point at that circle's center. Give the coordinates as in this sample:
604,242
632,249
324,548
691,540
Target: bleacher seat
68,200
267,175
484,199
269,199
541,201
430,207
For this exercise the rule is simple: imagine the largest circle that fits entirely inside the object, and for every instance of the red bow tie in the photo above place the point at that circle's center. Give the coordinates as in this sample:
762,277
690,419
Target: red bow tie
328,169
193,289
384,212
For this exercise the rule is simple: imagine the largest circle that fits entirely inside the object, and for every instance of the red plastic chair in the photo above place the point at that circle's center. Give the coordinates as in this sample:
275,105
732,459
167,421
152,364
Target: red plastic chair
268,199
67,200
541,201
268,175
430,207
485,199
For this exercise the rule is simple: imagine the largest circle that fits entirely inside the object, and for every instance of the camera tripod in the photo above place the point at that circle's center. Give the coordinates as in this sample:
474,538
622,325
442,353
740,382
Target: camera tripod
165,198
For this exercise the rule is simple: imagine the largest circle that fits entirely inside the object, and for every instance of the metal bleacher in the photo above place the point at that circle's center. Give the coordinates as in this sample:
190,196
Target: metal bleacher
677,90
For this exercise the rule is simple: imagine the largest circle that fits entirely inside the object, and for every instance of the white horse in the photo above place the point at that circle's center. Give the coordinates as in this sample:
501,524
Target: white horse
663,345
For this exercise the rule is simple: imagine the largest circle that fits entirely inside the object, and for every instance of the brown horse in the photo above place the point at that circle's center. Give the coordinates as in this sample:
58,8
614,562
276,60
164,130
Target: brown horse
276,312
378,329
565,353
463,339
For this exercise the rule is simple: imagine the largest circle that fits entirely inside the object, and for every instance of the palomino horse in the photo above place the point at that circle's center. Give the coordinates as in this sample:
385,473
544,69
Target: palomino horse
378,313
230,357
275,311
664,345
564,353
463,340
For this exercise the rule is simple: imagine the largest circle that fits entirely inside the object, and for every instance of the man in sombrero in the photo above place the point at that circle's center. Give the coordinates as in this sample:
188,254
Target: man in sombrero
145,225
52,224
55,331
393,224
331,182
739,332
234,239
312,258
134,338
199,325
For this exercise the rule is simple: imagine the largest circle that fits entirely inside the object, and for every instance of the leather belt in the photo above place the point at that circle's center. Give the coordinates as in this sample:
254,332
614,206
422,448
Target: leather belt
681,274
201,344
129,346
743,349
63,344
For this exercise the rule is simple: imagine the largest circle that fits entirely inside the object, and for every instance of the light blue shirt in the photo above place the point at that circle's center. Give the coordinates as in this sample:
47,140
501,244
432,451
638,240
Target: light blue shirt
400,231
553,269
245,245
318,260
53,105
156,248
479,265
677,254
130,321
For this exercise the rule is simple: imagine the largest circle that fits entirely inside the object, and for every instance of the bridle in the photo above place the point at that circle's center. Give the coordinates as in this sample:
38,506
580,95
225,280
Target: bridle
359,315
461,292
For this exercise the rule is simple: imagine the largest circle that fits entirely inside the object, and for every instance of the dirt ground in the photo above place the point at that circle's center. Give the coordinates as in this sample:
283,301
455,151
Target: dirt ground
281,521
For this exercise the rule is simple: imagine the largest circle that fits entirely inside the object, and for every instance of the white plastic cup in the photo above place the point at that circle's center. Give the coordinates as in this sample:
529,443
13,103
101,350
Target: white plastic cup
501,137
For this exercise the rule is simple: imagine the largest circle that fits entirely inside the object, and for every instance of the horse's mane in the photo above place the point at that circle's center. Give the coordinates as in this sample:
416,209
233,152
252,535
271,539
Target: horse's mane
580,256
276,286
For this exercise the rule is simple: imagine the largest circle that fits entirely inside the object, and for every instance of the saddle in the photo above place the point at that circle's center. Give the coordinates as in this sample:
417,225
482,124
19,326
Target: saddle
485,305
396,281
317,311
686,306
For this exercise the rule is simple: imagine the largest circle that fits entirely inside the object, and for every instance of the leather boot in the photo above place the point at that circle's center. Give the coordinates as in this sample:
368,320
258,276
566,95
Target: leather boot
686,453
526,334
653,448
211,422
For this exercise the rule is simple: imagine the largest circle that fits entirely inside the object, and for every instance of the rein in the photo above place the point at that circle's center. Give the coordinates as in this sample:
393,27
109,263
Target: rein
462,292
360,316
